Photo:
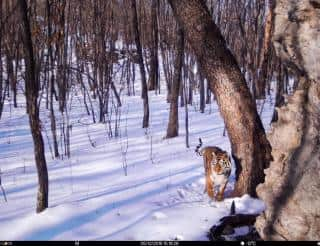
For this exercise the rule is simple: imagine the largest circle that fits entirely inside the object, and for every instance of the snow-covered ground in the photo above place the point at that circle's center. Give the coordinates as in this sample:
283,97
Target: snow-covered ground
91,198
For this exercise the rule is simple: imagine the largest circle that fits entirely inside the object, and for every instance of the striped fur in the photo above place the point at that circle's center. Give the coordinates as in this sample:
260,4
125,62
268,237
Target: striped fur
217,165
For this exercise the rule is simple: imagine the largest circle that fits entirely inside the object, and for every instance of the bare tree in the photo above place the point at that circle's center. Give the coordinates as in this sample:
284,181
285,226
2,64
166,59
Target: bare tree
32,91
173,125
154,82
144,94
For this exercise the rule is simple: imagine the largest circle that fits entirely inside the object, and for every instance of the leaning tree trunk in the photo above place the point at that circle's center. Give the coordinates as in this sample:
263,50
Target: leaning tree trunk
250,147
173,125
144,87
32,89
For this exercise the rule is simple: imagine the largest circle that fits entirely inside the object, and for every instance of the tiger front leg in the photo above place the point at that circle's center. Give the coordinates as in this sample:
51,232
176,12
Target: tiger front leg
209,187
220,195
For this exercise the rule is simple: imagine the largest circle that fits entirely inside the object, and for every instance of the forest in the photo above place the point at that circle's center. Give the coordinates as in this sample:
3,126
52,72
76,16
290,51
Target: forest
129,119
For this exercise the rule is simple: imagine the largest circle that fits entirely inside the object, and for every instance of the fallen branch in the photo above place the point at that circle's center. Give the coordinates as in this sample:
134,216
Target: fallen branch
228,223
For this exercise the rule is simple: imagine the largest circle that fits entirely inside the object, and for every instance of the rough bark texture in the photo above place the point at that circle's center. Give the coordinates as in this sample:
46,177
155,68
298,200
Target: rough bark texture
250,147
296,35
32,88
173,125
292,186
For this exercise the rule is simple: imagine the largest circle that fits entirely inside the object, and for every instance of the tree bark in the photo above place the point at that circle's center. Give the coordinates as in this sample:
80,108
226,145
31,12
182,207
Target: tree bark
250,147
291,191
32,91
173,125
291,188
144,87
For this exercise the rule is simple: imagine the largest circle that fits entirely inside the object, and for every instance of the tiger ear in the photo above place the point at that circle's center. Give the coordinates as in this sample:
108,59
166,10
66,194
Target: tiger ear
214,155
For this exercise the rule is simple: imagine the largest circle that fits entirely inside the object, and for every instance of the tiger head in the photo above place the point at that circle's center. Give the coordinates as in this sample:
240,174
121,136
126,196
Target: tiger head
220,161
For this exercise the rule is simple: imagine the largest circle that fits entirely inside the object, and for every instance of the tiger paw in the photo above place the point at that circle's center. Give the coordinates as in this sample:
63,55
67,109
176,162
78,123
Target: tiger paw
219,198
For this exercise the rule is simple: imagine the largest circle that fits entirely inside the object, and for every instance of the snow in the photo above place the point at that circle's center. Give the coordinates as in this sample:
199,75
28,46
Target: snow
91,198
159,216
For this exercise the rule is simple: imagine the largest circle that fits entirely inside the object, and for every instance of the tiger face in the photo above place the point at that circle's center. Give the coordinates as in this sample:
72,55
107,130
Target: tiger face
221,163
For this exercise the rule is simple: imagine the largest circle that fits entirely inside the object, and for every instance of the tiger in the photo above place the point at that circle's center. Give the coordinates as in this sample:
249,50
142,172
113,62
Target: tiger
217,166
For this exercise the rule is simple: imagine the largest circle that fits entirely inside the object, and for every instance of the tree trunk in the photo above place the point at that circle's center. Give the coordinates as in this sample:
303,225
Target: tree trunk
144,94
1,68
208,94
250,147
266,51
186,115
291,190
32,88
154,66
12,77
173,125
202,93
181,97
